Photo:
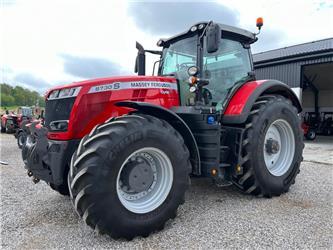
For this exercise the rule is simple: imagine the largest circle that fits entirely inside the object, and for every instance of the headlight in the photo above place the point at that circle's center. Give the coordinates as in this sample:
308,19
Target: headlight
54,94
193,70
64,93
61,125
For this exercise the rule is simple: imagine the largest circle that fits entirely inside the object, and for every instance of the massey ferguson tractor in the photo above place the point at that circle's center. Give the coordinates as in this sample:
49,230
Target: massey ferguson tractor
124,148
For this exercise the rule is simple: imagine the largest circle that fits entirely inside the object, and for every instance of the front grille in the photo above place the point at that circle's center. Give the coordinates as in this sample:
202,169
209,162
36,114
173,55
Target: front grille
58,109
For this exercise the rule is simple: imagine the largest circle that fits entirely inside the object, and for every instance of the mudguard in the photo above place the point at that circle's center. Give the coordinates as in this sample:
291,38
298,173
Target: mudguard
177,122
239,106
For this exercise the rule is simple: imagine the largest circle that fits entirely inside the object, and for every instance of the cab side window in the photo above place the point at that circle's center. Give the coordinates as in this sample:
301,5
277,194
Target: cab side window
225,67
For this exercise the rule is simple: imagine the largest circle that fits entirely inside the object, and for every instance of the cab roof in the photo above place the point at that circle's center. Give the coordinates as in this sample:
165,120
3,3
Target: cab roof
227,30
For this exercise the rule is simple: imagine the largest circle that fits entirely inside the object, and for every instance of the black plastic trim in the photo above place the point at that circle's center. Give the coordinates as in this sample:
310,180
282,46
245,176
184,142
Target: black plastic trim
48,160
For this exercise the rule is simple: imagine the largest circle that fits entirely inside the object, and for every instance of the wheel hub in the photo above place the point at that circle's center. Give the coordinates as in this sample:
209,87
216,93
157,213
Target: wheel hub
139,176
144,180
272,146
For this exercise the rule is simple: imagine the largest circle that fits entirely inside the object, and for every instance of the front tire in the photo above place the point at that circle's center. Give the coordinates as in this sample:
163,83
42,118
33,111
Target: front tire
129,176
21,139
272,148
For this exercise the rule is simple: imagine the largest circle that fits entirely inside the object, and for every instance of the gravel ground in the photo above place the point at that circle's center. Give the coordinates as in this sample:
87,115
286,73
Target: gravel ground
35,217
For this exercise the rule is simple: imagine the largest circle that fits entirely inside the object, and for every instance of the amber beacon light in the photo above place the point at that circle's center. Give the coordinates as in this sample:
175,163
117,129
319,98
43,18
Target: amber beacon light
260,22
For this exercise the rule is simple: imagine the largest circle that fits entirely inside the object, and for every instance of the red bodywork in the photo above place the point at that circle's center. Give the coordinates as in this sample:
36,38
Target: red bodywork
240,98
17,119
90,109
305,128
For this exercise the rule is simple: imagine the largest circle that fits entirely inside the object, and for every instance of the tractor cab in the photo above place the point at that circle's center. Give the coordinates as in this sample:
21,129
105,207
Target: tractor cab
25,111
208,61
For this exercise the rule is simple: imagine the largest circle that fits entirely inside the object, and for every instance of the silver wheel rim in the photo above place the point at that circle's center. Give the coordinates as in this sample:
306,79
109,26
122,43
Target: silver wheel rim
279,147
155,194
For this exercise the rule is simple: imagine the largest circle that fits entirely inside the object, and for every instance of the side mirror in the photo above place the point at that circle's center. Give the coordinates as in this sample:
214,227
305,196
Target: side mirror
213,37
140,61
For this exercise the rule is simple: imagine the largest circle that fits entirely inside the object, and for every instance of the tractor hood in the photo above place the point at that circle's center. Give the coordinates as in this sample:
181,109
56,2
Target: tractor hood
72,110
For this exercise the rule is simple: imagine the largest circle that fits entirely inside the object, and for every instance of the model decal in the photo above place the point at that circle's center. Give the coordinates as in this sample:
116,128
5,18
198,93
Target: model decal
132,85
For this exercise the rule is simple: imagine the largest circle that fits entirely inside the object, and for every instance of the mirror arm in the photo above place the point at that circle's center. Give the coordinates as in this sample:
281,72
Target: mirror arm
155,52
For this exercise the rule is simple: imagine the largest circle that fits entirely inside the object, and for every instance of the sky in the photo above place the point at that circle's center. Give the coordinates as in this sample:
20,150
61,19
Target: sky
44,43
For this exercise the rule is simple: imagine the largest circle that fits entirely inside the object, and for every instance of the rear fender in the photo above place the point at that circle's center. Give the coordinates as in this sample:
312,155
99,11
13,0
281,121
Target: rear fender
175,121
240,104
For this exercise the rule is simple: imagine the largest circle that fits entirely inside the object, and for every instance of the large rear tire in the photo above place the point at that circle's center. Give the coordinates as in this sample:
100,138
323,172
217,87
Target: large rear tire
129,175
272,147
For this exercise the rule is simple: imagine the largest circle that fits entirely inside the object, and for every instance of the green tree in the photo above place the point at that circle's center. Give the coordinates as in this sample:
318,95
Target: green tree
19,96
7,100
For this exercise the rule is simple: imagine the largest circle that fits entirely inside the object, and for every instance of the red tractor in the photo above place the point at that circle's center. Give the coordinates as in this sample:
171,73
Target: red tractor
124,148
11,121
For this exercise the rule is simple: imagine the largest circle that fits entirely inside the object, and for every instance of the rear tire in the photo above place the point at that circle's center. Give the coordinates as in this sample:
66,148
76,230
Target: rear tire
272,148
100,179
9,129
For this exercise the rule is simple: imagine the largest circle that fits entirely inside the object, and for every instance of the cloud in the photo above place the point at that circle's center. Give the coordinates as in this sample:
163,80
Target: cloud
31,81
88,67
167,18
7,3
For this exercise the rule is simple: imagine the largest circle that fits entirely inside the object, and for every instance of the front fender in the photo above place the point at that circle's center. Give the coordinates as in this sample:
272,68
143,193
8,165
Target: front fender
240,104
177,122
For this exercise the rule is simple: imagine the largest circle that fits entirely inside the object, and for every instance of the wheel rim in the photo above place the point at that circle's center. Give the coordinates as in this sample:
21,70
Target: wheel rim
312,135
279,147
144,180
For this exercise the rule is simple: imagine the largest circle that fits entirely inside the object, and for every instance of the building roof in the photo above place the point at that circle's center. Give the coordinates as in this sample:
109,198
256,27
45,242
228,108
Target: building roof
296,51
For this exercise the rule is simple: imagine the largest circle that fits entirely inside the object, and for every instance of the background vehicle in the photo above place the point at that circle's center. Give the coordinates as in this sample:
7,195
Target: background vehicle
21,133
309,133
317,123
326,125
124,147
12,120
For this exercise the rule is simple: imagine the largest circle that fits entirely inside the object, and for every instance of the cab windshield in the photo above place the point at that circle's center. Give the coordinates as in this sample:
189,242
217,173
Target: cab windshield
179,56
225,67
